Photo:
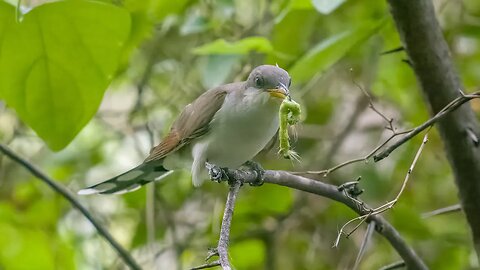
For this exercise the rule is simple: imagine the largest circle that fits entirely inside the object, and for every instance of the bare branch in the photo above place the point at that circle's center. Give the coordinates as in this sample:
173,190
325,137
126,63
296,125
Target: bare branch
398,49
395,265
386,206
226,224
445,210
427,50
365,242
440,115
453,105
383,227
222,246
207,265
126,257
360,106
373,108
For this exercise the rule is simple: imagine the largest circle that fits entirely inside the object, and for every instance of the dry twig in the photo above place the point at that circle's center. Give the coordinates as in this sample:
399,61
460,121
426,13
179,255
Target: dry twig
371,212
312,186
222,247
395,265
365,242
207,265
410,133
445,210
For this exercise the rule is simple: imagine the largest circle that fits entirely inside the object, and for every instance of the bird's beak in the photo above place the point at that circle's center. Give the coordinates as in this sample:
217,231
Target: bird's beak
279,92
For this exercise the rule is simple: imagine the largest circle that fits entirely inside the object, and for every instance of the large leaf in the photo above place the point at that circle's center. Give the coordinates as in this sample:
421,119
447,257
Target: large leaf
287,40
217,69
56,64
330,50
244,46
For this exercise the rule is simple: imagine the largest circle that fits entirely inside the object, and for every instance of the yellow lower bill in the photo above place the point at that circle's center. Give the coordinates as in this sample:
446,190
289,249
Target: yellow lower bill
278,93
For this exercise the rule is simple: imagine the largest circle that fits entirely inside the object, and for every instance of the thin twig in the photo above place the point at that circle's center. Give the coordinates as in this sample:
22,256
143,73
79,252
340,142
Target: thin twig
207,265
386,206
127,258
398,49
373,108
222,247
445,210
440,115
395,265
361,105
390,127
364,245
317,187
453,105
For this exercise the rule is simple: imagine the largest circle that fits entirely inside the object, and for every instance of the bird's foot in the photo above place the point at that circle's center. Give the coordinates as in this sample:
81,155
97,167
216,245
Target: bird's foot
216,173
258,169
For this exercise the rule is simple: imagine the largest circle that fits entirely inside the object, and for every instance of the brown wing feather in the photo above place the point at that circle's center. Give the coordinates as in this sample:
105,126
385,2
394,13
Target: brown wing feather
192,123
168,144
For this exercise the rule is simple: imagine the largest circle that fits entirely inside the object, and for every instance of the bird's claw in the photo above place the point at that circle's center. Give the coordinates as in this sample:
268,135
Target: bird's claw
216,173
258,169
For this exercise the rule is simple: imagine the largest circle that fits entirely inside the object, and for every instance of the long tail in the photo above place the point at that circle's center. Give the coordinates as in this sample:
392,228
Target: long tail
128,181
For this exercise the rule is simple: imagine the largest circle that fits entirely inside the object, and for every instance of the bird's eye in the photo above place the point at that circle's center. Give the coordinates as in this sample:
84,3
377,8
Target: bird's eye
258,82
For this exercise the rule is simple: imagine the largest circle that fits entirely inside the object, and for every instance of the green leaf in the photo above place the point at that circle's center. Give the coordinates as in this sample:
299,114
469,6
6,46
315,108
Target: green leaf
327,6
287,40
161,9
56,64
301,4
217,69
248,254
7,18
268,200
330,50
244,46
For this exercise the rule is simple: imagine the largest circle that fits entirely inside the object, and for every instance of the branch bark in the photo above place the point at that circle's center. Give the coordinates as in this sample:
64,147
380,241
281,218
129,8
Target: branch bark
383,227
222,247
430,59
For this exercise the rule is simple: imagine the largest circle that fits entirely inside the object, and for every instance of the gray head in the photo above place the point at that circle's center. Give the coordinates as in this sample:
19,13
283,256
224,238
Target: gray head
272,79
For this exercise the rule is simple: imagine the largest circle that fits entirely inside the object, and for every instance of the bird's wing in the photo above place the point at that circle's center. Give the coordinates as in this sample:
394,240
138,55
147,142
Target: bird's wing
192,123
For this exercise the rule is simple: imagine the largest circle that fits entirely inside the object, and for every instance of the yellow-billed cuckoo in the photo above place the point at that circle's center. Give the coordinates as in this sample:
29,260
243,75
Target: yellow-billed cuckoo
225,126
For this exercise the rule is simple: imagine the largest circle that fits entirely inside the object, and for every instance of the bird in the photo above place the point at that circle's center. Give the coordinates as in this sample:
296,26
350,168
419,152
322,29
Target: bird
225,126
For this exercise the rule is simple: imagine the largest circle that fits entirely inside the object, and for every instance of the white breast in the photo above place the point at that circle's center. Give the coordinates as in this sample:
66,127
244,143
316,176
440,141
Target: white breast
241,129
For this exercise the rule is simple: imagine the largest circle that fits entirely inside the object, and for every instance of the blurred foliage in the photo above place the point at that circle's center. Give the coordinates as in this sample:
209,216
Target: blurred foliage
57,59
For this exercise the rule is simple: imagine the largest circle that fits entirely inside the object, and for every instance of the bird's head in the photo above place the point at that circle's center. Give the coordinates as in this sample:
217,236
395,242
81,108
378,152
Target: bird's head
271,79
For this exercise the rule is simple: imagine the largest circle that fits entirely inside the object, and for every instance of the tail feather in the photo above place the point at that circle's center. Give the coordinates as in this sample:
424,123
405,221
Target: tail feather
128,181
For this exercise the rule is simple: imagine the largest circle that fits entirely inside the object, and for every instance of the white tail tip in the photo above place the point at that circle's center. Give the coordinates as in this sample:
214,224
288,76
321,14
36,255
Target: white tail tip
87,191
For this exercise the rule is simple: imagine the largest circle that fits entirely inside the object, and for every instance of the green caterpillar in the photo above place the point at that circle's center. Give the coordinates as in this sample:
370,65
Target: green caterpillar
289,114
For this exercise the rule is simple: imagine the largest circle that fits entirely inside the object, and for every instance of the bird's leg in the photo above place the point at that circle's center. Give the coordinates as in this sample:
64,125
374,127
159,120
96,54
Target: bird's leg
258,169
216,173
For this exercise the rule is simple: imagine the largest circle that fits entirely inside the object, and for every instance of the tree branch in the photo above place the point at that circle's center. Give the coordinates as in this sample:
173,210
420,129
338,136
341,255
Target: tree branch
439,116
384,207
222,247
126,257
431,61
364,245
444,210
383,227
207,265
450,107
395,265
